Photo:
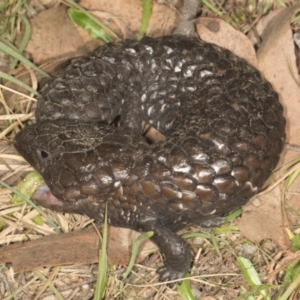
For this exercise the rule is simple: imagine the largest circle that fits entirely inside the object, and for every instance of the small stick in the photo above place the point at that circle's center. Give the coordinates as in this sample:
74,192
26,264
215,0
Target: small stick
188,11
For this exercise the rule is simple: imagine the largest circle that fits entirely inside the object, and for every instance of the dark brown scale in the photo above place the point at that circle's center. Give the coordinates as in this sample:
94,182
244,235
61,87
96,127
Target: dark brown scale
241,173
224,129
207,192
104,177
203,173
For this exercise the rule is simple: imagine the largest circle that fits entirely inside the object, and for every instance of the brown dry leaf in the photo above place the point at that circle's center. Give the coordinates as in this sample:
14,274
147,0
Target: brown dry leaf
80,247
217,31
262,219
269,206
276,57
163,18
54,36
121,24
277,61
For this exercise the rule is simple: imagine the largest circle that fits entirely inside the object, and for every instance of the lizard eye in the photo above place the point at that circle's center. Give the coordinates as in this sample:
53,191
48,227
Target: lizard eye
44,155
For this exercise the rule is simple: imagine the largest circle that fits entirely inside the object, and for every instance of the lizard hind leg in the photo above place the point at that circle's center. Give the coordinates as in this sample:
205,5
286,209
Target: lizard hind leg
174,249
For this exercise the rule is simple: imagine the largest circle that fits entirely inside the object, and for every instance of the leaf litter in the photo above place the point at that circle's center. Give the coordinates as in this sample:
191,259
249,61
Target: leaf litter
264,222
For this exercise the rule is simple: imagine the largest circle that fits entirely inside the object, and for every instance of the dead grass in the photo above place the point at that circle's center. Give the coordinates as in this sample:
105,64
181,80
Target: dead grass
215,251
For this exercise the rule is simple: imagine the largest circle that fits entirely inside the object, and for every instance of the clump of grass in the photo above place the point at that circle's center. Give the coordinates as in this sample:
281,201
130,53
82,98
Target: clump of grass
244,277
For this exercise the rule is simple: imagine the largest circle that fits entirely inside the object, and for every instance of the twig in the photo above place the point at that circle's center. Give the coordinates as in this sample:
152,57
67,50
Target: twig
188,12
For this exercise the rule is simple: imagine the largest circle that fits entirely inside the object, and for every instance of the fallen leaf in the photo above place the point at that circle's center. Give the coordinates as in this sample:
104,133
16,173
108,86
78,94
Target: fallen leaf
54,36
217,31
80,247
121,24
262,219
163,18
277,61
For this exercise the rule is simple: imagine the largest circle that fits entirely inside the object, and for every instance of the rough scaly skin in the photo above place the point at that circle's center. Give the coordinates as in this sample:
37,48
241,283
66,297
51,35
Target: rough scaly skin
224,132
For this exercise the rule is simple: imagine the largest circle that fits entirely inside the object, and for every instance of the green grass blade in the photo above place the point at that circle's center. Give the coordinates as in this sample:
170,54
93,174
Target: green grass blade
19,83
295,243
291,289
212,8
291,178
296,16
135,248
185,291
251,275
281,3
51,286
234,215
31,204
25,39
14,53
102,265
197,234
146,15
4,5
225,229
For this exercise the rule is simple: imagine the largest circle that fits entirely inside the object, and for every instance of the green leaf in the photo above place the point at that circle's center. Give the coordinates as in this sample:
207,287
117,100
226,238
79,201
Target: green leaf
89,25
28,186
251,275
225,229
73,4
38,220
292,271
248,271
